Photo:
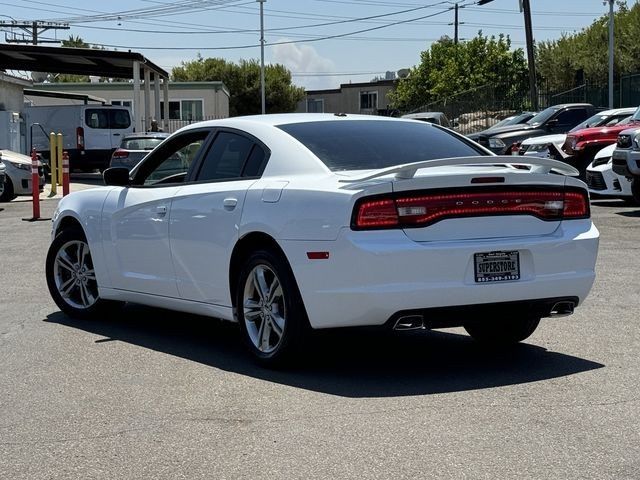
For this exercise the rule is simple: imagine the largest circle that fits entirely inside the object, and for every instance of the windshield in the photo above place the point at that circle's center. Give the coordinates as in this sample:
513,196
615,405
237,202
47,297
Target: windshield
373,144
636,116
543,116
602,120
140,143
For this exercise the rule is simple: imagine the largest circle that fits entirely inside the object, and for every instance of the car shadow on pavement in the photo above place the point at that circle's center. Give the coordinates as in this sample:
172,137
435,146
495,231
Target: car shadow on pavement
349,363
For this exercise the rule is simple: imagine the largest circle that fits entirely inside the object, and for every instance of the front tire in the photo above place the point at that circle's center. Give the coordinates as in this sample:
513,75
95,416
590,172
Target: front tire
502,331
6,191
269,308
71,276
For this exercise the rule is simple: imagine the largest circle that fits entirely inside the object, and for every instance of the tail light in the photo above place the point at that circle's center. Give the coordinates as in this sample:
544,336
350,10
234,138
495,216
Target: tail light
80,138
119,153
419,209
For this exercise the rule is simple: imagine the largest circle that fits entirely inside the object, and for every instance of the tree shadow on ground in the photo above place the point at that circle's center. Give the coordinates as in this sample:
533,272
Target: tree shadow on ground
349,363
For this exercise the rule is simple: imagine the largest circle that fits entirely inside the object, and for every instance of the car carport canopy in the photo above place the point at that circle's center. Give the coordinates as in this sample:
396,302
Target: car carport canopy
105,63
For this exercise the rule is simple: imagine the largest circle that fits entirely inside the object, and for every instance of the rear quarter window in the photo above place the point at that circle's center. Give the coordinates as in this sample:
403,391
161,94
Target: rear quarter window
373,144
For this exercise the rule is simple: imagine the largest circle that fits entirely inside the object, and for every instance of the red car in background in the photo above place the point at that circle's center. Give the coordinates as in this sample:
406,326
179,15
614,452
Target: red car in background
583,144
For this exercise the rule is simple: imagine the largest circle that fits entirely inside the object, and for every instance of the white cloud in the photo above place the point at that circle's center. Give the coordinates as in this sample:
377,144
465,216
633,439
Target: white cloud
305,59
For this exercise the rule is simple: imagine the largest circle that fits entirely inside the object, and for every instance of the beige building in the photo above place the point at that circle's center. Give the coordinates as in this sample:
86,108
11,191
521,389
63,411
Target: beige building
188,101
366,98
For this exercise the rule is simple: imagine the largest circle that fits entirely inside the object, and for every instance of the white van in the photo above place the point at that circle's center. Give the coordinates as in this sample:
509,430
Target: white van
91,132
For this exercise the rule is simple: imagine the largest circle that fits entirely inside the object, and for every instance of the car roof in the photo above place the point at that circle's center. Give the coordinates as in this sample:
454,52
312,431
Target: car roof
131,136
277,119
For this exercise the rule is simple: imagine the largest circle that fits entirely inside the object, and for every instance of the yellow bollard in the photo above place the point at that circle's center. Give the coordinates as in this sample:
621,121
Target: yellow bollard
53,162
59,157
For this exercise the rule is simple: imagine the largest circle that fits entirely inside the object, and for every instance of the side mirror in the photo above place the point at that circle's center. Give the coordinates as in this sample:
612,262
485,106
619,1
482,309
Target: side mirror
116,177
553,123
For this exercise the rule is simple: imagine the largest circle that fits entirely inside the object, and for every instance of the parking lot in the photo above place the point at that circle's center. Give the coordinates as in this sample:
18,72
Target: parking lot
157,394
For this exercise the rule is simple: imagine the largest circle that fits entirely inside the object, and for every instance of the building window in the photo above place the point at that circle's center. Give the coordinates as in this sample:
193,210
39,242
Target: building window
188,110
191,110
368,100
315,105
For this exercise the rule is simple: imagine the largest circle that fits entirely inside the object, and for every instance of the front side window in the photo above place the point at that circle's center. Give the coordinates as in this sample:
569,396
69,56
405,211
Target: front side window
171,162
570,118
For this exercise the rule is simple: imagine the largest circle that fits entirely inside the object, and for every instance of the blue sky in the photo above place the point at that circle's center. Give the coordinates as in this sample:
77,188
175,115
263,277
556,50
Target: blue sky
198,26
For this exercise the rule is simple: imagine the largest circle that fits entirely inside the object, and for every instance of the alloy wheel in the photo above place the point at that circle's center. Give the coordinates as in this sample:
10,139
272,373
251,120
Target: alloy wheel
264,309
74,275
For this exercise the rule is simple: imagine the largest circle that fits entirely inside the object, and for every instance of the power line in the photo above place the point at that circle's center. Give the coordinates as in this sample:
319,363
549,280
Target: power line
313,39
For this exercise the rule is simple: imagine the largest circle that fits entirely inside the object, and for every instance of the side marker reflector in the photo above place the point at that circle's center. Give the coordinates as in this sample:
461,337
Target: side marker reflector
317,255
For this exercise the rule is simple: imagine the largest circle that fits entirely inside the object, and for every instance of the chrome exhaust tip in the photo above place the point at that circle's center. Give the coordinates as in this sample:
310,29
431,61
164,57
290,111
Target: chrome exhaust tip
562,309
409,322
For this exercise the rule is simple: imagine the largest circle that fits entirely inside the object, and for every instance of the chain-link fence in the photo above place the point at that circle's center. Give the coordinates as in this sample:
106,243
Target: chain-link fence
481,107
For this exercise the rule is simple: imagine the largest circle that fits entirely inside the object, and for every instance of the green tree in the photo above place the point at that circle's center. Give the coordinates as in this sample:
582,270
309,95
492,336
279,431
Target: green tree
243,81
447,69
568,61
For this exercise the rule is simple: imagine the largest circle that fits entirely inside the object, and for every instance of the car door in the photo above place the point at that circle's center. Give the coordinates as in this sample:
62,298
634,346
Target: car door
205,215
119,125
136,219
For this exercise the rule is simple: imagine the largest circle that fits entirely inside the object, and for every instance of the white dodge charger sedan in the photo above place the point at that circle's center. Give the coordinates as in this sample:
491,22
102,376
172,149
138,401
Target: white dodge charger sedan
288,223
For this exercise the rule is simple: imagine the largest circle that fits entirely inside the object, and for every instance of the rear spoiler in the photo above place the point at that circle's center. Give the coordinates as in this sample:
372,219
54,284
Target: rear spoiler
408,170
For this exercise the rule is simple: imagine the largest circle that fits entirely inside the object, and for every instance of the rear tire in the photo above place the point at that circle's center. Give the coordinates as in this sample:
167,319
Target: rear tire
269,307
6,195
71,276
502,331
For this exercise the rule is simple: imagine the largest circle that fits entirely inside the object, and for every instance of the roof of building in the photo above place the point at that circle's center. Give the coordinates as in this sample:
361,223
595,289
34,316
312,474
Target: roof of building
379,83
5,77
78,61
102,86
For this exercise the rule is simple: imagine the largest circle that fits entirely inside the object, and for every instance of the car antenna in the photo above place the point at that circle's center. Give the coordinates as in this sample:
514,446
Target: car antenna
340,114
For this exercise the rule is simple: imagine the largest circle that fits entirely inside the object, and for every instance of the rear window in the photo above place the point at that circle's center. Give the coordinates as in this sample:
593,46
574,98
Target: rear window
372,144
140,143
107,118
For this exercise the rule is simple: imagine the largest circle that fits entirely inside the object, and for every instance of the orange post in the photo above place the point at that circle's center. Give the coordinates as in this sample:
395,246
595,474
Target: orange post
65,173
35,184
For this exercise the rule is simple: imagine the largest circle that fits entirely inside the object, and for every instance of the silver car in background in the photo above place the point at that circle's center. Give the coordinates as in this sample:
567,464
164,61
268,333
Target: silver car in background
135,147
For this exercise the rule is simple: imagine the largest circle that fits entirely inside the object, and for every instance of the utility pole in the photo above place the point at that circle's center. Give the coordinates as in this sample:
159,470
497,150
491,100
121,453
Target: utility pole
455,21
533,90
611,17
262,92
526,8
33,30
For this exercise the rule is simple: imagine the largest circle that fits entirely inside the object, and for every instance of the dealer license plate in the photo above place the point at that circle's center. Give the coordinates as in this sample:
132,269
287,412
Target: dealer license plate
497,266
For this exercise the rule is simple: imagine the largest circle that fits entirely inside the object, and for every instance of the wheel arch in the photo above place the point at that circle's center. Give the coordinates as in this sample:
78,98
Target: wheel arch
248,243
68,221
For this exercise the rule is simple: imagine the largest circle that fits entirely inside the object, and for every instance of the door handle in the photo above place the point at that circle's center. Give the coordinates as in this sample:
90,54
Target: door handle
161,210
230,203
116,134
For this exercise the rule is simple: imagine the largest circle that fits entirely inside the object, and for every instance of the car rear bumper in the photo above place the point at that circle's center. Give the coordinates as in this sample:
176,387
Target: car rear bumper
371,276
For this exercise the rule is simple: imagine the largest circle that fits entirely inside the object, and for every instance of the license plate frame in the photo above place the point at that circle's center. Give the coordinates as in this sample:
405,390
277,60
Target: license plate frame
497,266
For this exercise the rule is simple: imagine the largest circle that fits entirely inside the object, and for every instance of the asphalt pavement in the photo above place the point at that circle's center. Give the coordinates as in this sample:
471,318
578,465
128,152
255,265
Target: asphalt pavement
157,394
